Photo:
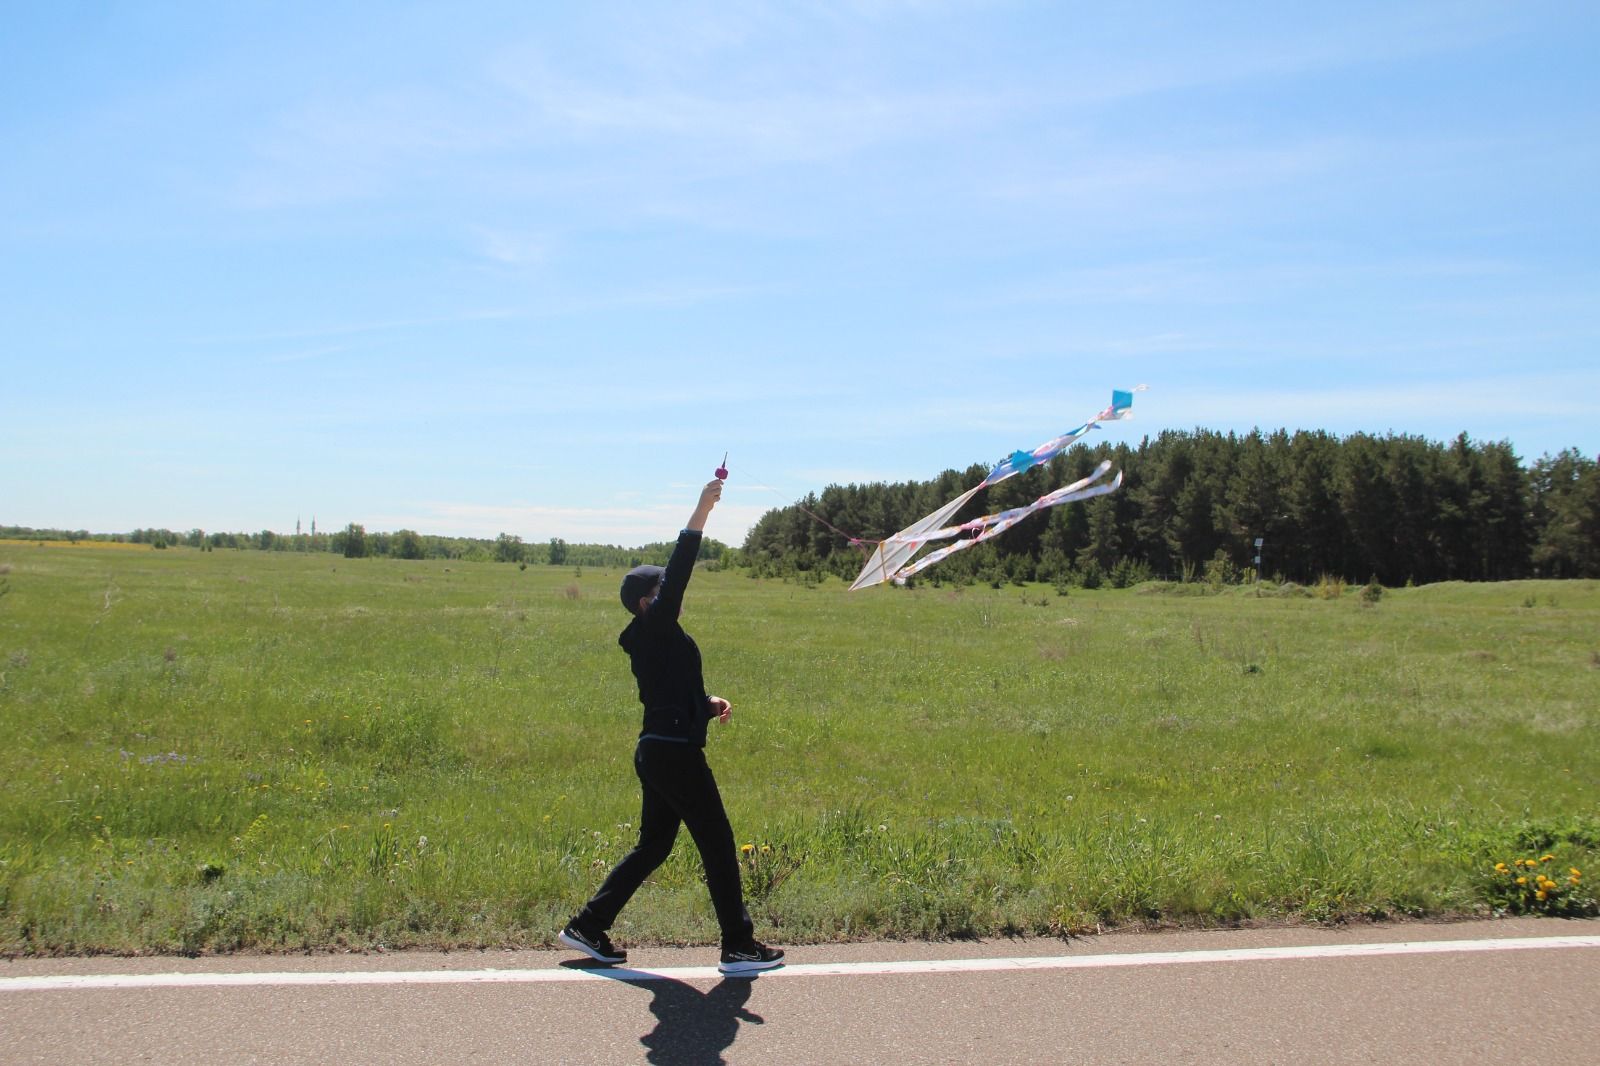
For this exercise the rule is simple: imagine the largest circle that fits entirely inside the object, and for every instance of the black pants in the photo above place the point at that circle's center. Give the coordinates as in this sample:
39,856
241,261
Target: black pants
678,789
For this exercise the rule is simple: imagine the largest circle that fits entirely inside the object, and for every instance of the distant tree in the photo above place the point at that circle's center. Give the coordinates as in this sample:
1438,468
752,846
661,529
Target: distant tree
1567,503
1103,546
351,541
558,551
508,548
1313,542
406,544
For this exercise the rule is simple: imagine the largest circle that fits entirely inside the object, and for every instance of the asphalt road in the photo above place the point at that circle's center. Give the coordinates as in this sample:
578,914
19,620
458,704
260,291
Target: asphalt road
1121,998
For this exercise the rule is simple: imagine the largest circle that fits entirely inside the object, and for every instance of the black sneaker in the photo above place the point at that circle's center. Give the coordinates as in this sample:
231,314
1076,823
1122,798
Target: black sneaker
597,947
753,957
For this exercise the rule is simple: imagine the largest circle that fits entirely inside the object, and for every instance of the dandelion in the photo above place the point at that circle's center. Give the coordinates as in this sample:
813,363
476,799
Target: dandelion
766,849
1574,871
1522,880
1501,867
1548,858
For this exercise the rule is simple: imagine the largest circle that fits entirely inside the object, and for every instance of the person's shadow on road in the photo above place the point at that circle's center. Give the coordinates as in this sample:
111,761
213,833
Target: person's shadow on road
693,1028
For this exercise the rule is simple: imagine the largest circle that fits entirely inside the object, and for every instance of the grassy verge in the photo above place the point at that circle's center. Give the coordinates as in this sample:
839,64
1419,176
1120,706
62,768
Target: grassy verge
235,750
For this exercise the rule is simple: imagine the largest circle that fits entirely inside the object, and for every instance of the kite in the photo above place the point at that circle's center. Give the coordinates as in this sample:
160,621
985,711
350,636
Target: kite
892,559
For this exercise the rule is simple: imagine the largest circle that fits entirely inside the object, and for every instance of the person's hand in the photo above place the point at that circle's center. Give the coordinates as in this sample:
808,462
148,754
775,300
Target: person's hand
708,499
722,708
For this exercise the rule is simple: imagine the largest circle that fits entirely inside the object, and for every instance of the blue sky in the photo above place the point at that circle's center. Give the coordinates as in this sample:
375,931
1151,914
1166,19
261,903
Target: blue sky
528,268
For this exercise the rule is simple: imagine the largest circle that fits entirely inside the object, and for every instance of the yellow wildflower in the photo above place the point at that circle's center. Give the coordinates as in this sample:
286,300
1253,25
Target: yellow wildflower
1522,880
1574,871
1500,867
1548,858
747,848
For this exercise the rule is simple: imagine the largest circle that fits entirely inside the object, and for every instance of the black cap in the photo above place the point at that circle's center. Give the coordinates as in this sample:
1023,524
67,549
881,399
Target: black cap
637,583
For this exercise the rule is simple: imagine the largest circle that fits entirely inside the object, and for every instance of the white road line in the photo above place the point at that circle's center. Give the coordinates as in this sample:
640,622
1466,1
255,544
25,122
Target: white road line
81,982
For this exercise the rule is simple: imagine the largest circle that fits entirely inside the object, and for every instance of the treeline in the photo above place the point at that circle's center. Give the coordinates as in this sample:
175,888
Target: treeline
1192,505
355,542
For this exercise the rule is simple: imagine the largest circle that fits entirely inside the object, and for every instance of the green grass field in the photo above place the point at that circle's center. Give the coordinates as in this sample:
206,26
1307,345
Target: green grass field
237,750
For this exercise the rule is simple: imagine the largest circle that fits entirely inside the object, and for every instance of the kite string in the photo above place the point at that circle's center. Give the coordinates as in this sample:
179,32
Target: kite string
855,541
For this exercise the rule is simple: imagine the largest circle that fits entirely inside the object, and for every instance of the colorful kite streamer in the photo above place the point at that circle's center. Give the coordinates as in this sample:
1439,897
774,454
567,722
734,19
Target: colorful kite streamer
892,559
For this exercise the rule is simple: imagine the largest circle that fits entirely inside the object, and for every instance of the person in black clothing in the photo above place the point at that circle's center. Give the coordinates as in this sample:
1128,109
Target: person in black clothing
671,763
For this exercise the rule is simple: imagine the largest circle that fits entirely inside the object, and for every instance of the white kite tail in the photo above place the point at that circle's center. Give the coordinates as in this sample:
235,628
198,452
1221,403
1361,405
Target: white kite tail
893,554
888,562
1070,494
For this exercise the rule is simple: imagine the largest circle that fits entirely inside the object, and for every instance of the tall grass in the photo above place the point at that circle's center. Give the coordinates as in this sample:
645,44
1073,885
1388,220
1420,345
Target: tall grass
220,750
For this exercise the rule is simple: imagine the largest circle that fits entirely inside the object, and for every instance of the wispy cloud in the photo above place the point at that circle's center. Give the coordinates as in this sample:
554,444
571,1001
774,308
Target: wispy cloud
1405,406
1269,275
512,248
347,329
777,126
308,354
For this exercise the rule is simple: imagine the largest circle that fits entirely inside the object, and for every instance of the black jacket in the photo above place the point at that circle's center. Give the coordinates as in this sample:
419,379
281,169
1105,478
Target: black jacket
666,660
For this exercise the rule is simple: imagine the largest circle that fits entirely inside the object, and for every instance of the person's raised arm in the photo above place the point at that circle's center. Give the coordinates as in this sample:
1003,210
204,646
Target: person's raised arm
708,499
669,601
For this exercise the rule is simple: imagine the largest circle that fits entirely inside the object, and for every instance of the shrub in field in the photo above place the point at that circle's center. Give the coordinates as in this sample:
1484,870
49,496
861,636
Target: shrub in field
1128,573
1523,887
1220,570
765,867
1548,833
